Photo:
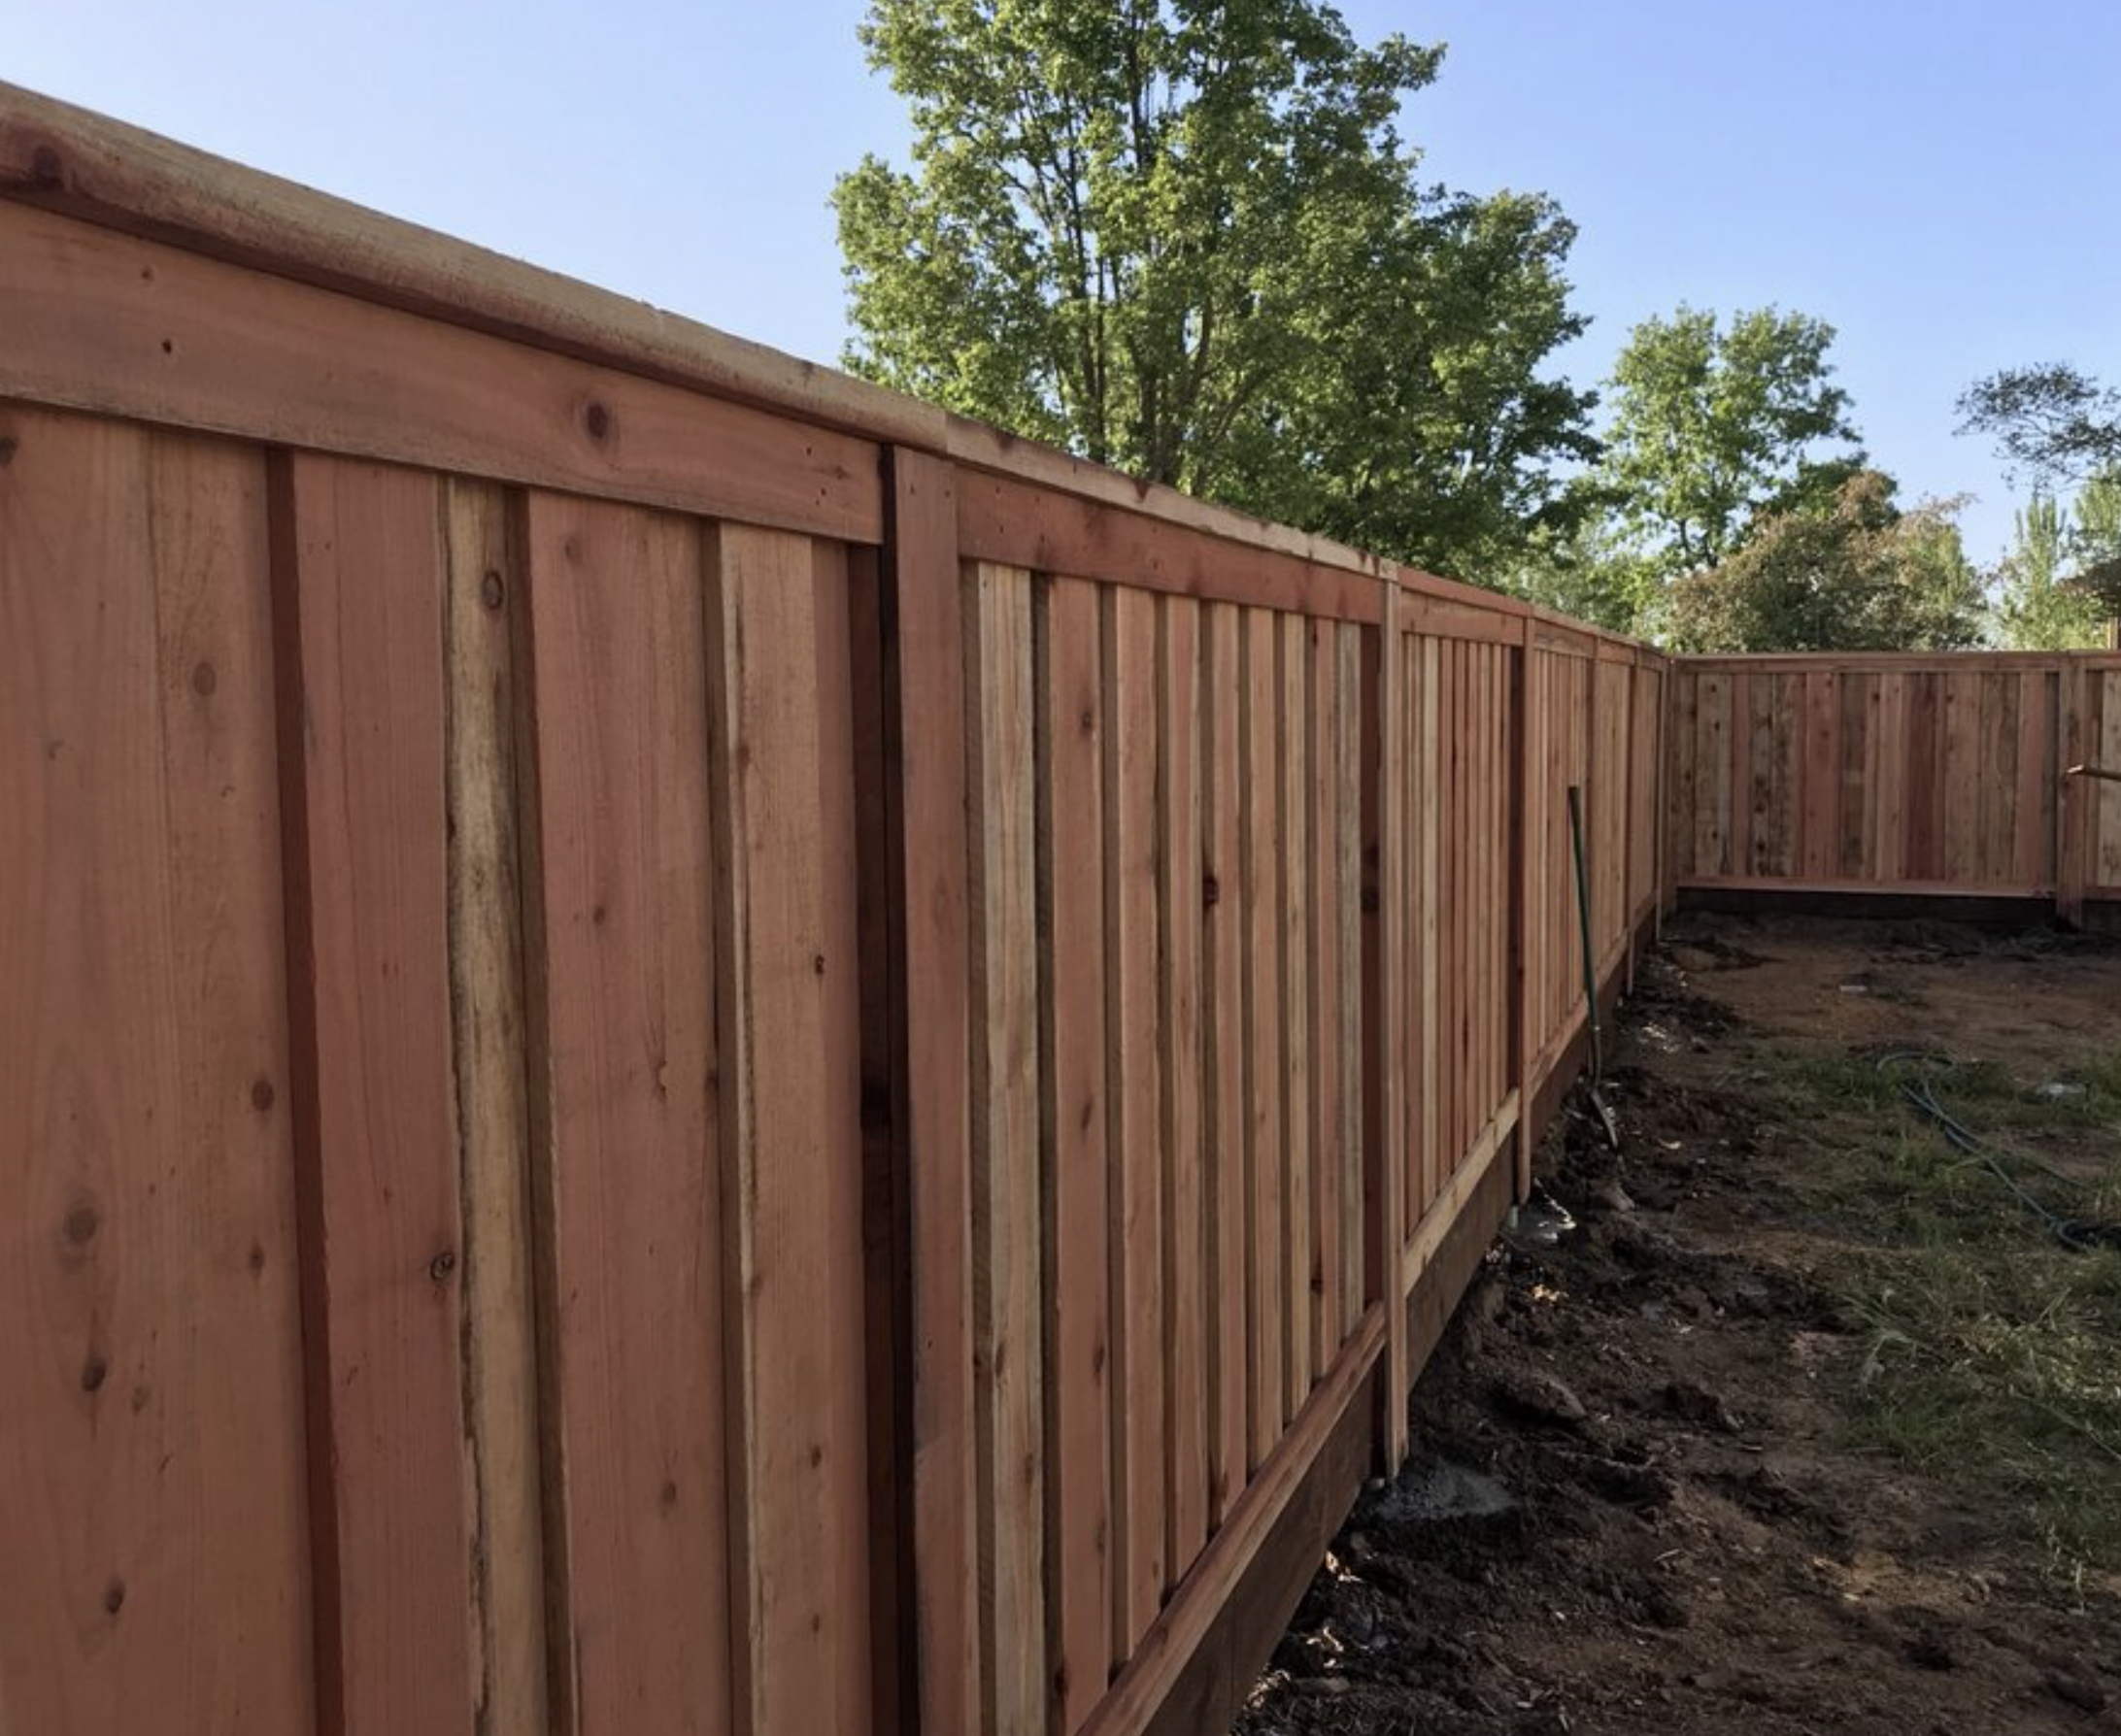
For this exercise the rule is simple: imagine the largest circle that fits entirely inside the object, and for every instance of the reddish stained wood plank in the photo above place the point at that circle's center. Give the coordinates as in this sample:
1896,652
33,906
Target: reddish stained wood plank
2033,776
1712,772
2106,686
1685,749
1225,941
1296,791
1324,944
788,1015
1925,853
111,322
357,608
1258,784
1348,674
154,1536
924,679
1531,811
1961,773
1822,783
1006,1216
1008,519
1892,801
1854,791
1179,1025
626,954
1072,1075
1384,1172
1135,1115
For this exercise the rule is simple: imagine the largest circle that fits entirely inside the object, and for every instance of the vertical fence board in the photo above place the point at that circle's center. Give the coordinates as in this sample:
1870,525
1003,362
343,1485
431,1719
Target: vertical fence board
628,1093
1005,1177
154,1532
1134,1116
1258,784
1179,1024
789,1134
1296,791
357,582
1325,1036
1078,1211
487,996
1225,943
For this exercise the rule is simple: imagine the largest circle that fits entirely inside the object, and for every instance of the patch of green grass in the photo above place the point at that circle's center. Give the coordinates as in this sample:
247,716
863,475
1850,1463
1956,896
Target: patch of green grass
1999,1374
1993,1354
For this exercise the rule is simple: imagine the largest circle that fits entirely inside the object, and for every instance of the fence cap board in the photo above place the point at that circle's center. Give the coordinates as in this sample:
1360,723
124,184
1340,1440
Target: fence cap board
69,159
1873,662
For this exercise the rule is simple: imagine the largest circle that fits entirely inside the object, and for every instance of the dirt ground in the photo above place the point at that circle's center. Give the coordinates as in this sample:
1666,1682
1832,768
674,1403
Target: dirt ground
1660,1482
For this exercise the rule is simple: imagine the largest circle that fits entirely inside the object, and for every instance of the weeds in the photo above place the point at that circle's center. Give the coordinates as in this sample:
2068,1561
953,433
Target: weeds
1994,1360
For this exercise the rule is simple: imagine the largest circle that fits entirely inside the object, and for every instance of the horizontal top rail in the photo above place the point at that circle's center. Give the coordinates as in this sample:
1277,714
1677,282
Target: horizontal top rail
67,159
1864,662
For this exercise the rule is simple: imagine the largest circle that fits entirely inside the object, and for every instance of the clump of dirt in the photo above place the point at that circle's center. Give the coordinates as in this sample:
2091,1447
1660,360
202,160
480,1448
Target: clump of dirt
1635,1502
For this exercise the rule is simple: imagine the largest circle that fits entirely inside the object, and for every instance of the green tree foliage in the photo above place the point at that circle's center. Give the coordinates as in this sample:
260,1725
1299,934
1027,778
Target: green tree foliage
1714,425
1861,575
2052,421
1185,238
2036,609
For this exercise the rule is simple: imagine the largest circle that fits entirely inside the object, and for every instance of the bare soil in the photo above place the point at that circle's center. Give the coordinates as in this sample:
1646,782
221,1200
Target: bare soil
1637,1502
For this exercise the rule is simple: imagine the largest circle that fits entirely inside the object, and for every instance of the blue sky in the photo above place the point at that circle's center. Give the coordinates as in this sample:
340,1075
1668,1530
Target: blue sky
1935,178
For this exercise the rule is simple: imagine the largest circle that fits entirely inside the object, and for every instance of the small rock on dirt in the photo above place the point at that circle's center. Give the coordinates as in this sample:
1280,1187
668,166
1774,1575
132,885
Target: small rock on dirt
1540,1398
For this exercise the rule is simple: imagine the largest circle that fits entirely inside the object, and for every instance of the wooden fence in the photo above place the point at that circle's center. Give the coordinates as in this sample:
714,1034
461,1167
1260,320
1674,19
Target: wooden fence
685,1048
1912,774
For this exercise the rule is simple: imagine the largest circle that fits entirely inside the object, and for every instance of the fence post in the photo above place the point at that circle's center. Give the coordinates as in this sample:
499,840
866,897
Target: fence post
923,713
1530,728
1384,1058
2073,798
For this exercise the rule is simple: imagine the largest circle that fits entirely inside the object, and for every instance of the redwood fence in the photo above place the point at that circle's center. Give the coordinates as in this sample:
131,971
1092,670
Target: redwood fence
1931,776
685,1048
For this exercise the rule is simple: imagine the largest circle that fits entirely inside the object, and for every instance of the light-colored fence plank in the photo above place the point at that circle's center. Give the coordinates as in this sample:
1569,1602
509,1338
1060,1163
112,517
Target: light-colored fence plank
488,1000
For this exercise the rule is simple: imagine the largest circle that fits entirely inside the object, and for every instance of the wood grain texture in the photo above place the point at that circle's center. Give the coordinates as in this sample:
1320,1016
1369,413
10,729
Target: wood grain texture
630,1076
1179,1027
106,322
789,1134
154,1536
1078,1417
1224,941
482,546
357,580
1294,1000
1258,784
924,756
1006,1228
1135,1114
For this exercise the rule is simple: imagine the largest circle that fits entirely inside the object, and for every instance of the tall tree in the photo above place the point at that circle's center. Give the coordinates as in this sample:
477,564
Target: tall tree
2036,608
1714,425
1861,575
2053,420
1185,238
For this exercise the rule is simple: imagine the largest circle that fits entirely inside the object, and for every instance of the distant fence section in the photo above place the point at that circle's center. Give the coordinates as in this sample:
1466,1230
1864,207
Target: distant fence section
685,1048
1927,776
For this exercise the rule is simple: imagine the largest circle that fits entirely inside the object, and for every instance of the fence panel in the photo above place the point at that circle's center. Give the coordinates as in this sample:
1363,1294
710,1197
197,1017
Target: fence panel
695,1049
1910,775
